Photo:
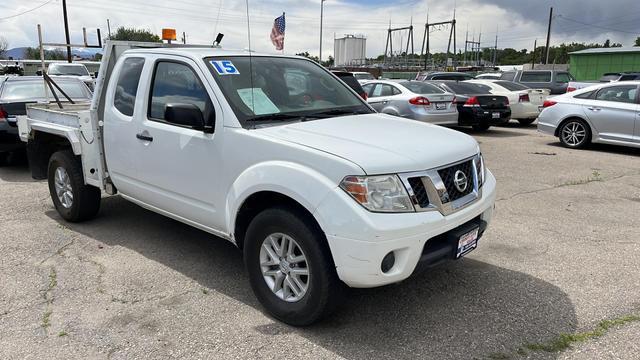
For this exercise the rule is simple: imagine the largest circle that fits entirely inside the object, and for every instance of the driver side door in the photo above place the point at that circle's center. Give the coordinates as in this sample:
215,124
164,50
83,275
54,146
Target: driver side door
178,168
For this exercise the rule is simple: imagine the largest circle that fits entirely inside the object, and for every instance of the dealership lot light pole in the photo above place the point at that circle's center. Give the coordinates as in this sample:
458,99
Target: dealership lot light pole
321,10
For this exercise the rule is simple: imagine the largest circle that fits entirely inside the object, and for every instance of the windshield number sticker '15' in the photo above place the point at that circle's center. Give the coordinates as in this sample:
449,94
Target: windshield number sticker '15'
225,67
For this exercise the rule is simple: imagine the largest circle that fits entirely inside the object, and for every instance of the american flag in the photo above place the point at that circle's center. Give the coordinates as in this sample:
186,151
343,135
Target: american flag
277,33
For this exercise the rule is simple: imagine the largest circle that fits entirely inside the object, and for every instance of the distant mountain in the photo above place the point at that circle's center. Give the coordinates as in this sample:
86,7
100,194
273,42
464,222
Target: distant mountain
20,53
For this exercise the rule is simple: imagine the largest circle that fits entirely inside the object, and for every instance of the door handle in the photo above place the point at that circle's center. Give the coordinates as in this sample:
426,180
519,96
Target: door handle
144,137
594,108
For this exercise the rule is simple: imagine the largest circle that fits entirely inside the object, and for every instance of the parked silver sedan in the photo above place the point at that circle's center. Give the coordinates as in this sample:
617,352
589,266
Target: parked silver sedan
608,113
412,99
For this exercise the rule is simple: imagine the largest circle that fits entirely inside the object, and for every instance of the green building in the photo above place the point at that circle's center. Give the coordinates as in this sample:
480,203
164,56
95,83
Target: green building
590,64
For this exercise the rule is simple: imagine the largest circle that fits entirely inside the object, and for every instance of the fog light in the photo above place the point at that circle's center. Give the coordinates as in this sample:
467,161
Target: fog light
387,262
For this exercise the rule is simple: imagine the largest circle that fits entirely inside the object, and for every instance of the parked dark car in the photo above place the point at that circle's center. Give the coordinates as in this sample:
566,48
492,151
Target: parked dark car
18,91
350,80
554,80
476,105
458,76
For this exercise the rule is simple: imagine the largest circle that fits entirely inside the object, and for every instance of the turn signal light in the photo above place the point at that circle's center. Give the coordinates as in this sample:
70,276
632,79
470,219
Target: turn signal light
548,103
570,89
523,98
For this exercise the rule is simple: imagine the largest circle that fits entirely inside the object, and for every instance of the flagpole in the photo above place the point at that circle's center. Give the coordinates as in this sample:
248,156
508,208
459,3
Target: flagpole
284,31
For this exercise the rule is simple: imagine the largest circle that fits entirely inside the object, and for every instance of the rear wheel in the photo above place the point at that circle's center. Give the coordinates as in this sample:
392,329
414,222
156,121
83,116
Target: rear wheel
290,267
73,200
526,121
481,127
575,134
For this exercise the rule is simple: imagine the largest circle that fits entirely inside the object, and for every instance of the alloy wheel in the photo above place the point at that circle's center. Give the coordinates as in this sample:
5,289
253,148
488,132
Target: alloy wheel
284,267
62,184
574,133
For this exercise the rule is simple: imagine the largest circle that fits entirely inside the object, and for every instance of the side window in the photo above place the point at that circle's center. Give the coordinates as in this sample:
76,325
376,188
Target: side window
587,95
127,85
562,78
396,91
625,94
377,90
367,88
387,90
176,83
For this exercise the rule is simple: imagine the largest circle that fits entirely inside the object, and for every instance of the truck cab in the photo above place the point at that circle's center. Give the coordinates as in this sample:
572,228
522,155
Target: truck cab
275,154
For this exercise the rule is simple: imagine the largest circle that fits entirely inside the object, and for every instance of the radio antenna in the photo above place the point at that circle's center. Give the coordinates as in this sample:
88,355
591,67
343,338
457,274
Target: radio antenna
253,108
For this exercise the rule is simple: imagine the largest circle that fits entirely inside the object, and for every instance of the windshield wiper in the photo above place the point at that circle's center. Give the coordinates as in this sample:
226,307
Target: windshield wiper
275,117
336,112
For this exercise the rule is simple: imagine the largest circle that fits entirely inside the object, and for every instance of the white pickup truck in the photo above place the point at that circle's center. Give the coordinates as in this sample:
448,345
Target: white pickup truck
273,153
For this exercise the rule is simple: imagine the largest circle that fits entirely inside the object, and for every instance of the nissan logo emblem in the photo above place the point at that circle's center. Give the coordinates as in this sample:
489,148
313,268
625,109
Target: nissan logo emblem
460,181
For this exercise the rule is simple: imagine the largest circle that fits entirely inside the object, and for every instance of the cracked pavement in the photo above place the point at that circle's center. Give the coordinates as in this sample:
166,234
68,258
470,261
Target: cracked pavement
561,255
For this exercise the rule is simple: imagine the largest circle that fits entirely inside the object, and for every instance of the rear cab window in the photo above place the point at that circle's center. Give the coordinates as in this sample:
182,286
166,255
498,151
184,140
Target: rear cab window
176,83
127,86
509,76
563,78
535,76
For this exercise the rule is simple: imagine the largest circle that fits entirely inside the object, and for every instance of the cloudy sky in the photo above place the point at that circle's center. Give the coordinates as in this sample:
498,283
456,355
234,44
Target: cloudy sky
517,22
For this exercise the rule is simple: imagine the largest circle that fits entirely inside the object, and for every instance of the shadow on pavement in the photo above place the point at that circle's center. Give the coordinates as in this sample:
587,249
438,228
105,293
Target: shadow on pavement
466,309
16,171
613,149
493,132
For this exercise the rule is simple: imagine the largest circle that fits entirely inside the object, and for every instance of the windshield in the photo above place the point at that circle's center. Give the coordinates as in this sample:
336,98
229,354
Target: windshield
15,91
512,86
281,89
365,76
421,88
77,70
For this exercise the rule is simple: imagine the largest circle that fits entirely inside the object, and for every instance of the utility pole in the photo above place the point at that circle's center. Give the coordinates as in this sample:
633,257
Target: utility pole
66,29
321,11
548,36
495,48
533,57
479,58
109,28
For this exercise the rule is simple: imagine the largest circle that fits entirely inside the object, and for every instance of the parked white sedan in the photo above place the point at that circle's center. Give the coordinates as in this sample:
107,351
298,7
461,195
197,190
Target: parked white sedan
525,102
608,113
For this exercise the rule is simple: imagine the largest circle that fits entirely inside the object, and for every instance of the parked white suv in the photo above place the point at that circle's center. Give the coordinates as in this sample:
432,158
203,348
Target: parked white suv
275,154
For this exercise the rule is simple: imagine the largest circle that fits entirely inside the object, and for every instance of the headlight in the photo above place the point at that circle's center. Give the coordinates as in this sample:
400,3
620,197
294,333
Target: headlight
480,169
383,193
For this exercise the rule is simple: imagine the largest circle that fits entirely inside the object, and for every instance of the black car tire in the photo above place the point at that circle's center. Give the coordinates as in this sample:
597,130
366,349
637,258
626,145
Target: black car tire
481,127
526,121
86,198
324,289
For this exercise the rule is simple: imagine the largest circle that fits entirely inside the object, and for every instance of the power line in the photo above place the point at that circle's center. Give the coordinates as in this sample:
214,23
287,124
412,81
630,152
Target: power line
26,11
596,26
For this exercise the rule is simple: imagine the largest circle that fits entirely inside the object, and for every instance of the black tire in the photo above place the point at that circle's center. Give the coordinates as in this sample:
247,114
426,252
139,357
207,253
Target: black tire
526,121
324,289
4,158
481,127
576,126
86,199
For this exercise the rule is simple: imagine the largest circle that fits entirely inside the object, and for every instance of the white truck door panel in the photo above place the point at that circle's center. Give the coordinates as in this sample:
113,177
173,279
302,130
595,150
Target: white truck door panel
120,127
177,167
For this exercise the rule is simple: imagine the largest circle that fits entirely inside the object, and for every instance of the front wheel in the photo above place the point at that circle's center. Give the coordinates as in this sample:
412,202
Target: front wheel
73,200
575,134
290,267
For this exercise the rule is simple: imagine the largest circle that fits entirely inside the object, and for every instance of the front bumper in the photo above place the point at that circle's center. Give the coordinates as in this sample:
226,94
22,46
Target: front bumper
359,242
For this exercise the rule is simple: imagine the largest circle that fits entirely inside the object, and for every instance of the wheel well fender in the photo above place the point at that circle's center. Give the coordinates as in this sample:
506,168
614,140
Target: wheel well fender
40,147
573,117
280,183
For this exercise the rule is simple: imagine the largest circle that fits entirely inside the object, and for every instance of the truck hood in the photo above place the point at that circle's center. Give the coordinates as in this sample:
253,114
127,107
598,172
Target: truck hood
380,143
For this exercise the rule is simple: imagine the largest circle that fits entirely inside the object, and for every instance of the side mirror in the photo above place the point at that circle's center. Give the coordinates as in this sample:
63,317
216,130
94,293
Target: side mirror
185,114
39,73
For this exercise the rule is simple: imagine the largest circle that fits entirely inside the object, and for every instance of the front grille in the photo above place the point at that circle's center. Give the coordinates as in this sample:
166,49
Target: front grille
448,176
419,191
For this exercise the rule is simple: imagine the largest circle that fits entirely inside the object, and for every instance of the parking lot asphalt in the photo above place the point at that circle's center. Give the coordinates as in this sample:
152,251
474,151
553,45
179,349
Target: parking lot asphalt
561,257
